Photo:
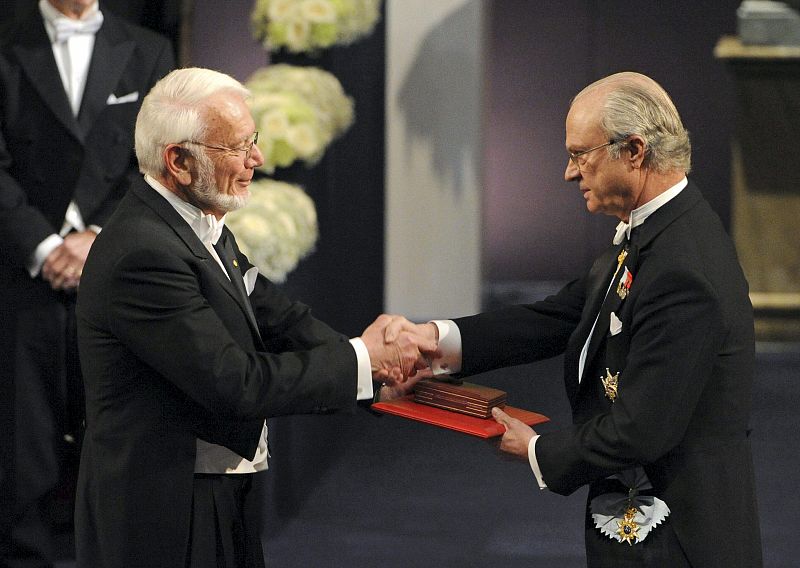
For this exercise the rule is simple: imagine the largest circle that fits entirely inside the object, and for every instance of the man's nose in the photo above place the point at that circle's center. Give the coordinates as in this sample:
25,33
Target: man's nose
257,156
571,173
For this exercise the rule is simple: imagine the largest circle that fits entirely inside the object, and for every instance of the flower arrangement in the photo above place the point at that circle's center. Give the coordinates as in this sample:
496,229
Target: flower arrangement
310,25
277,228
298,112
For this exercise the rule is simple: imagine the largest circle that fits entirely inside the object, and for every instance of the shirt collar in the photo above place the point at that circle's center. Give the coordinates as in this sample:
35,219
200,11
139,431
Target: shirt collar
640,214
207,227
51,14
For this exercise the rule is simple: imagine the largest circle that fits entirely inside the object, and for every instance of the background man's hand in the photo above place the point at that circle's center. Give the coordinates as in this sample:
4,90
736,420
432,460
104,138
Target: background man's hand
63,267
518,434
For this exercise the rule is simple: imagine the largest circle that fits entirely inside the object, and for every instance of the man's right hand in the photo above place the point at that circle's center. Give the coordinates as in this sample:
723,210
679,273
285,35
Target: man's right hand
409,350
398,325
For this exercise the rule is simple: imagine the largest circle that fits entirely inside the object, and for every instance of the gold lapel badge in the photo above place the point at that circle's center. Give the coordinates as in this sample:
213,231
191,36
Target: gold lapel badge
236,263
624,285
610,383
621,258
628,530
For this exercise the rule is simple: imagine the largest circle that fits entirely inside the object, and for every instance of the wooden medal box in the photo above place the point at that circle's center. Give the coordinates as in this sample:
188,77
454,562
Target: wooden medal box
465,398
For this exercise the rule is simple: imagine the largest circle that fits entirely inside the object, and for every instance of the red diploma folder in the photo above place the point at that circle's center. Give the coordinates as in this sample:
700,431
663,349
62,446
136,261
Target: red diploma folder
481,427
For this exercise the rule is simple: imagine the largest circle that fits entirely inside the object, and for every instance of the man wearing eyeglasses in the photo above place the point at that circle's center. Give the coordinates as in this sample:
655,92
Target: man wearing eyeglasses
186,350
658,349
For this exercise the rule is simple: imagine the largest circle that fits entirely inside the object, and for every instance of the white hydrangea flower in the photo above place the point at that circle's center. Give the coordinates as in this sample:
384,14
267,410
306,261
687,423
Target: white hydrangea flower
299,112
303,139
277,228
318,11
275,123
298,32
281,10
311,25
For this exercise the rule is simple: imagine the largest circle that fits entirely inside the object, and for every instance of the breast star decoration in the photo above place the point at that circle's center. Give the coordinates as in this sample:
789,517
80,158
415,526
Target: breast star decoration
610,384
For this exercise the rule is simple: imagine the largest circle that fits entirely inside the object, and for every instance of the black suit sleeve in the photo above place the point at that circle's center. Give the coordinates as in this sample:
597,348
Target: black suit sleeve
521,334
159,311
22,226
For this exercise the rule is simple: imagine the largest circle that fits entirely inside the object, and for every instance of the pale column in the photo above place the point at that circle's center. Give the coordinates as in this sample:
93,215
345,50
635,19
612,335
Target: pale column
433,157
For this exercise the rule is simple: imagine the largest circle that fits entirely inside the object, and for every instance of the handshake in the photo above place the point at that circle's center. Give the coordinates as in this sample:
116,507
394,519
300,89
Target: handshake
400,352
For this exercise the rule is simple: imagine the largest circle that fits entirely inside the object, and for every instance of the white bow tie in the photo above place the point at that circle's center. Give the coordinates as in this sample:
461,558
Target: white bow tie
210,228
66,27
622,233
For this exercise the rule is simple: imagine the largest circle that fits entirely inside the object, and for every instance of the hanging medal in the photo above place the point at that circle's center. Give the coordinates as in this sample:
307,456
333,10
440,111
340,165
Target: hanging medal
628,528
624,285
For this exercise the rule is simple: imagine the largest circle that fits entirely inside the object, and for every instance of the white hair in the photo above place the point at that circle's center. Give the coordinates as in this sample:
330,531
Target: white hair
173,112
636,104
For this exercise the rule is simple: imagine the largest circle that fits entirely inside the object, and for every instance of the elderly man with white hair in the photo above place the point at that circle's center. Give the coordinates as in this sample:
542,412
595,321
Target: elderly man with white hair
186,350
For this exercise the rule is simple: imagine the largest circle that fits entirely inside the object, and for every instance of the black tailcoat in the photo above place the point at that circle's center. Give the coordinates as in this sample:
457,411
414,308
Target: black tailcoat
170,354
48,157
685,357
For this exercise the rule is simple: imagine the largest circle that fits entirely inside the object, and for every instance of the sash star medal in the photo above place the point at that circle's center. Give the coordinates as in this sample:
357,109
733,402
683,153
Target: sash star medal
628,530
628,517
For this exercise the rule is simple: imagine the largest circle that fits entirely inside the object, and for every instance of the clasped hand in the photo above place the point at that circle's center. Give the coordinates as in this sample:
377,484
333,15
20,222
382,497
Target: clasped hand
399,350
64,266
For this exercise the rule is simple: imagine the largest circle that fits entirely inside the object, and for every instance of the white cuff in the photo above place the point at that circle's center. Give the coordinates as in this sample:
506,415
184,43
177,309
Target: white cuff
449,360
534,463
40,254
364,390
72,220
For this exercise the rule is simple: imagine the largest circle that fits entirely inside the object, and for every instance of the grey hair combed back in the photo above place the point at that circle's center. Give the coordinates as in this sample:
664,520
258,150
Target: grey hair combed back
635,104
172,112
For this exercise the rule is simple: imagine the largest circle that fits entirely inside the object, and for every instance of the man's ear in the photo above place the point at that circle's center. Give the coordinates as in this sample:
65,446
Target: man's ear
637,147
179,161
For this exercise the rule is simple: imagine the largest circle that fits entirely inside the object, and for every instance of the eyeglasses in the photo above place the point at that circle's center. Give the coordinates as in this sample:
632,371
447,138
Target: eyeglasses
247,148
575,157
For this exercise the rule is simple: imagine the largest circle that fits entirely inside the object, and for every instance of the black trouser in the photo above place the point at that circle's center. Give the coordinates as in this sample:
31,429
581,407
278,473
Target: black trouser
225,531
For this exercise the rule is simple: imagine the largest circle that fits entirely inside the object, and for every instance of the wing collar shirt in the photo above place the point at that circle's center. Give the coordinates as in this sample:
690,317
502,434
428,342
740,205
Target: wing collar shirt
212,458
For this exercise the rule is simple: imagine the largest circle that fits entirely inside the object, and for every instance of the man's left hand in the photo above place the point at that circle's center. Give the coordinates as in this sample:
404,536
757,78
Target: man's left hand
518,434
64,266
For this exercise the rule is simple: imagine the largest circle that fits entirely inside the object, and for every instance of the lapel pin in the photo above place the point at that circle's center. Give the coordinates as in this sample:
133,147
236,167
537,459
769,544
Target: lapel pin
621,258
236,263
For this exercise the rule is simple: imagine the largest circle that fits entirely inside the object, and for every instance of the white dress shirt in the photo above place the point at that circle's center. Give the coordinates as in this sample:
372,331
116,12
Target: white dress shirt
213,458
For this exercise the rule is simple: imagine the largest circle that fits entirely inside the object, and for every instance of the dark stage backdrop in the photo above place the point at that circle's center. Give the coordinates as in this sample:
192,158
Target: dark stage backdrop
542,53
